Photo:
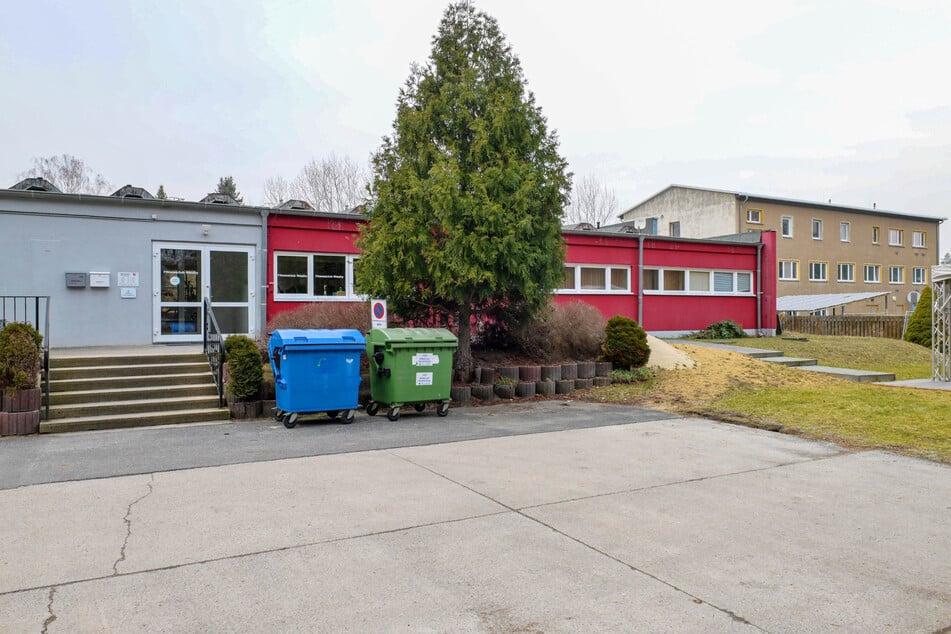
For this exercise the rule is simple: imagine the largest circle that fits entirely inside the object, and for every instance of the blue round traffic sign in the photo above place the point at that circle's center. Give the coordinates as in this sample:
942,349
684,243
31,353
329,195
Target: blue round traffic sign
378,310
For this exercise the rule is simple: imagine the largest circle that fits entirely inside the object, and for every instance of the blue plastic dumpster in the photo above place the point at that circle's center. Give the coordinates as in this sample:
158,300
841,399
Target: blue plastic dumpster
315,371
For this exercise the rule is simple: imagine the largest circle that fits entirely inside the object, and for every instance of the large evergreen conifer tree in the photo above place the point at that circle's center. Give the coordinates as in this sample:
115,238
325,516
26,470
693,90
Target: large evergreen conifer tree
469,189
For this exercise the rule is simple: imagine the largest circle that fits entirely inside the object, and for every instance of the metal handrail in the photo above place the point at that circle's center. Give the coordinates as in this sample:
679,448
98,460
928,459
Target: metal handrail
10,312
214,347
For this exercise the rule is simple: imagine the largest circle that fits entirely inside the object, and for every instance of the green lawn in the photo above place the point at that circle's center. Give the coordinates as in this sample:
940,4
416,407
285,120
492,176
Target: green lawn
731,387
905,360
861,415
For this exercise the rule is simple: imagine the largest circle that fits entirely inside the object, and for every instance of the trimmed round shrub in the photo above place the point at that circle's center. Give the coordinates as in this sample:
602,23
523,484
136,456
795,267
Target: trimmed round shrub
236,343
625,343
20,356
919,324
244,364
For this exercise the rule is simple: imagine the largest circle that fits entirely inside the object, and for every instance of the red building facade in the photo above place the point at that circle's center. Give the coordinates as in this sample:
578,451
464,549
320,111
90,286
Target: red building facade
671,286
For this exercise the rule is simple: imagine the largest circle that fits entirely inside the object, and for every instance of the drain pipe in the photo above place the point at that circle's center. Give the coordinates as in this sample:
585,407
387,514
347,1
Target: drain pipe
262,312
640,280
759,287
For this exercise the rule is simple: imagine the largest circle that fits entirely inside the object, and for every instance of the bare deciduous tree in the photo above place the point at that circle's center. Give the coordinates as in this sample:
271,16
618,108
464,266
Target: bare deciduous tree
69,174
591,201
334,184
276,191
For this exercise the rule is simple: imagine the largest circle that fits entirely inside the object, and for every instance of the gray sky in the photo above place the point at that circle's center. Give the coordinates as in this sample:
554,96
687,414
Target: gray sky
848,100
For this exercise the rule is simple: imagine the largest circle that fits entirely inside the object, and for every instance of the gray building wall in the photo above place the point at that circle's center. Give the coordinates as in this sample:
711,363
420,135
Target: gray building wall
44,235
701,213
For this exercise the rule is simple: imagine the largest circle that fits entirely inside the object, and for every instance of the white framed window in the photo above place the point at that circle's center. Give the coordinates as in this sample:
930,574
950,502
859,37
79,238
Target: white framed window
744,282
896,237
918,239
818,271
873,273
876,234
754,216
896,275
816,229
846,272
789,270
314,276
595,279
822,312
697,282
675,229
787,226
845,232
919,275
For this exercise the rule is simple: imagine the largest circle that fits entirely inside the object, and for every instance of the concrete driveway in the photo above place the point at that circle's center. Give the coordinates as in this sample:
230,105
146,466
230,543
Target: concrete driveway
662,525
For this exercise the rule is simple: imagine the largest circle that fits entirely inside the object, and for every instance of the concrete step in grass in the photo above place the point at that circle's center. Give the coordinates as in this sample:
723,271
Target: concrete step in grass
133,420
57,363
110,395
138,369
118,408
859,376
107,382
790,362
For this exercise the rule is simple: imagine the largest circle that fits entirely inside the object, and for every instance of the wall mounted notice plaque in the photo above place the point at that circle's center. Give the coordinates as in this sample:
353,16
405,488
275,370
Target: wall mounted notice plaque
127,278
98,280
75,280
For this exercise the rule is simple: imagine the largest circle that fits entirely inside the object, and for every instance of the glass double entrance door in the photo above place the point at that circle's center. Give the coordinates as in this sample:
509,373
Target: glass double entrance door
186,274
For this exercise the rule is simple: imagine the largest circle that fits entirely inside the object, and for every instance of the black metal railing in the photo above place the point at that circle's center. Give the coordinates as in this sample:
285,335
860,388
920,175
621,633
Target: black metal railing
214,346
33,310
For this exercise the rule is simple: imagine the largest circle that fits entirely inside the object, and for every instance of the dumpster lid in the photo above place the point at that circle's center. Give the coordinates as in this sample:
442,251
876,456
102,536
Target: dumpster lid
412,335
293,336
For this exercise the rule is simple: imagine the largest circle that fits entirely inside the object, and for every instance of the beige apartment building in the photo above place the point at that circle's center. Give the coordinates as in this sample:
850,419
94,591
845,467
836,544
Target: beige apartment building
822,248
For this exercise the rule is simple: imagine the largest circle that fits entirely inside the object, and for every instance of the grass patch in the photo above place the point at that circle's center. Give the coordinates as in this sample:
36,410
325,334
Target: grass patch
732,387
859,415
878,354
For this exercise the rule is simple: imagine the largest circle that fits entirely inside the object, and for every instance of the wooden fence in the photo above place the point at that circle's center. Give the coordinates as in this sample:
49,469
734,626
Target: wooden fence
846,325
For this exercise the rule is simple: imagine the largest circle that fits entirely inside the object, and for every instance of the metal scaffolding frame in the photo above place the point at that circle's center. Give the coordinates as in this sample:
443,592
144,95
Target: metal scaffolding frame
941,323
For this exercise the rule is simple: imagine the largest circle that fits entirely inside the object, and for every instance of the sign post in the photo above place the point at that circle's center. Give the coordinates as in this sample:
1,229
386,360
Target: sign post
378,313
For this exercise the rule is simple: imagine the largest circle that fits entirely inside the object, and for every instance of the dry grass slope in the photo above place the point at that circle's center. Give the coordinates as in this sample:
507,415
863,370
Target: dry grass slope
732,387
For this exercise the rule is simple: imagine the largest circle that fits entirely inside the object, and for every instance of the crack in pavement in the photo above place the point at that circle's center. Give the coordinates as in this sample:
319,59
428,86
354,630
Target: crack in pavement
687,481
49,608
128,524
266,551
733,615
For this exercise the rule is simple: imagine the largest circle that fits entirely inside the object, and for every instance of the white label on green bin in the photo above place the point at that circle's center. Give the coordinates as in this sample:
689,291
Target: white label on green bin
424,378
425,359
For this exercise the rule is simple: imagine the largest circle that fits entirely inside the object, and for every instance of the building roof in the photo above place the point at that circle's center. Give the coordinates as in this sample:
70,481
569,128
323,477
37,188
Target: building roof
206,204
796,303
795,203
36,184
940,273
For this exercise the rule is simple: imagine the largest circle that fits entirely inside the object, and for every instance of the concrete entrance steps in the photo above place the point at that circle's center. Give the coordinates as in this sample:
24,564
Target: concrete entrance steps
122,388
810,365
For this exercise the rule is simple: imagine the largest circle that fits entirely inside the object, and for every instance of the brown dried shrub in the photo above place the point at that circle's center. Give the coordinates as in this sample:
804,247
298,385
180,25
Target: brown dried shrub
564,331
332,315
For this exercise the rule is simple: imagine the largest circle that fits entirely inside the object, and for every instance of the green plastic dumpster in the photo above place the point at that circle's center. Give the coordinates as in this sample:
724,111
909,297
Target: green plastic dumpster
410,366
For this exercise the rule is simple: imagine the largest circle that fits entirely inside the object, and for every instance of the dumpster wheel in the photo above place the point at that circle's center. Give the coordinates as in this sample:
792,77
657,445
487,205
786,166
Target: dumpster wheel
289,420
419,407
442,409
347,417
372,408
332,414
278,414
393,414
